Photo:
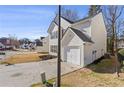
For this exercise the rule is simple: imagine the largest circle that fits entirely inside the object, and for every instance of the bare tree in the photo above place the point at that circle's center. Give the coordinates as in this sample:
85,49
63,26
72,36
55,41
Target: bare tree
14,41
69,14
112,14
94,9
120,28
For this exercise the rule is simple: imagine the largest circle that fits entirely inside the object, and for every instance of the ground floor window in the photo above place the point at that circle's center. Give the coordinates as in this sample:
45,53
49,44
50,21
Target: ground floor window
54,48
94,54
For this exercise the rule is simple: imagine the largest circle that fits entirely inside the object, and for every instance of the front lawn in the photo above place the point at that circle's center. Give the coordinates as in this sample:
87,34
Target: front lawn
24,58
94,75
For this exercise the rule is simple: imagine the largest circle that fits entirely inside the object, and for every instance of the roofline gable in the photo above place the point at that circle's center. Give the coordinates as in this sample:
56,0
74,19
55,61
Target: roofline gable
87,39
86,19
57,24
71,29
51,25
71,22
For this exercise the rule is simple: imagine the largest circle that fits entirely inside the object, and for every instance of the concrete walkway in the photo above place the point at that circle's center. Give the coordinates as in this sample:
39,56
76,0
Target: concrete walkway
25,74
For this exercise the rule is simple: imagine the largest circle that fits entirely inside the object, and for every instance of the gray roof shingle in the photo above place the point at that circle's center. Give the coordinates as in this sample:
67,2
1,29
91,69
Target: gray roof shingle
56,19
81,35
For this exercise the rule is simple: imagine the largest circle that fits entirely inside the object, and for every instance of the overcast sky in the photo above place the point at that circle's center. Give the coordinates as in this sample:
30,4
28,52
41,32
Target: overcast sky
30,21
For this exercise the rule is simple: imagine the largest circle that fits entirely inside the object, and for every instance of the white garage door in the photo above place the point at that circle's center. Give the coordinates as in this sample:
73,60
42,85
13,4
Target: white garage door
73,55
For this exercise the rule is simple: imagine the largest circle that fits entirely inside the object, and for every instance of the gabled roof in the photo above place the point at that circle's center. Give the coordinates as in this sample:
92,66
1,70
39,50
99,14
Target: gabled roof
56,19
67,20
86,18
81,35
51,26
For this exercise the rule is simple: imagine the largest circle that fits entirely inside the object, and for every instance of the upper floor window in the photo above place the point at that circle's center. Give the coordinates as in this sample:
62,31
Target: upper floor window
54,48
54,35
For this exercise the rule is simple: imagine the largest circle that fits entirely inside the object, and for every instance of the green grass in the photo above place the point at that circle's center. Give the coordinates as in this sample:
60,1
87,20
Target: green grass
51,81
121,51
104,63
101,66
3,62
37,85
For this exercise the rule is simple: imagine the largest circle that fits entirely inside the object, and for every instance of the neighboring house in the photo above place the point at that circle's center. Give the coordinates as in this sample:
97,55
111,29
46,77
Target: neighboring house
1,46
30,45
5,41
121,42
39,41
82,41
45,45
9,43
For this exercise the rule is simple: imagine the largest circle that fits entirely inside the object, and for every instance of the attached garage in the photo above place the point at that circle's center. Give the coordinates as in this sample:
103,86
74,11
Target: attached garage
73,46
73,55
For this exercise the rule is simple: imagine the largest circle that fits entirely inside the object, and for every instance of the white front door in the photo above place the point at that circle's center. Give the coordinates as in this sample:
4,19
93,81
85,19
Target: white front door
73,55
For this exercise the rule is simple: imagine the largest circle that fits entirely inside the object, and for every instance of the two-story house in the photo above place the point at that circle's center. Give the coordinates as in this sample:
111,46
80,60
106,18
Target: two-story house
121,42
82,41
53,33
9,43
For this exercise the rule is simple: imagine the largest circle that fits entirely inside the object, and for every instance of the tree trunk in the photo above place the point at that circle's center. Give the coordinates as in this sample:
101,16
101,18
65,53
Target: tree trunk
116,55
115,50
112,46
113,39
117,65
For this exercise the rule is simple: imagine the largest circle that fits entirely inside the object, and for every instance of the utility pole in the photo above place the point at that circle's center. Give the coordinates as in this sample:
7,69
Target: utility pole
59,51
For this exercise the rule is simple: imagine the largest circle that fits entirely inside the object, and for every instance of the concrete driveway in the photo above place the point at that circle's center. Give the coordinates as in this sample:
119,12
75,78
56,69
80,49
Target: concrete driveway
25,74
